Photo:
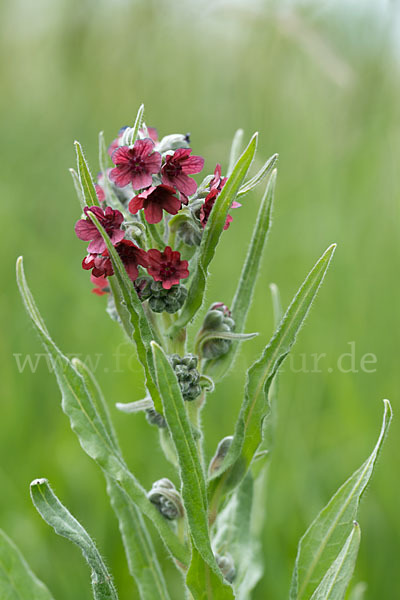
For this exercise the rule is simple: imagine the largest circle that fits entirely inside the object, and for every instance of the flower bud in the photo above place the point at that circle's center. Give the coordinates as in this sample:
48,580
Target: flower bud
172,142
154,418
166,498
218,318
160,299
221,452
227,566
187,374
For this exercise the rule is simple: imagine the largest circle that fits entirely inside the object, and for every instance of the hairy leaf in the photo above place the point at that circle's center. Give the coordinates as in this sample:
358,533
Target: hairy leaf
85,178
248,430
17,582
334,584
130,134
64,524
88,426
249,185
218,367
193,482
326,535
236,149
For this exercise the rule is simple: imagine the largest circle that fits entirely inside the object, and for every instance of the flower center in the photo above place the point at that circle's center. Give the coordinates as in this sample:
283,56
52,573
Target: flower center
167,270
136,164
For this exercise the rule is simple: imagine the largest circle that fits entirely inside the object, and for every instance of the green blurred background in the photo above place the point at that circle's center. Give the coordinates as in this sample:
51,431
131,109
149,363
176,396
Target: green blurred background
320,82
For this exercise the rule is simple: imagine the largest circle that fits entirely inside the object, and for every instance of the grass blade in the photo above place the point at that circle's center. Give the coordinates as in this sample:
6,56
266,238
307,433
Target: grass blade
248,431
17,581
64,524
326,535
211,236
337,578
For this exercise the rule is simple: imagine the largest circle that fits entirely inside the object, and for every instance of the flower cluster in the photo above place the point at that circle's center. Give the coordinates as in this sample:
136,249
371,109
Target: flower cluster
150,182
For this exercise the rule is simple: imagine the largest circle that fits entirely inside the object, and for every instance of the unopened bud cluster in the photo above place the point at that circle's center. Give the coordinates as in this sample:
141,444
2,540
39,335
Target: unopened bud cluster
160,299
217,319
187,374
167,499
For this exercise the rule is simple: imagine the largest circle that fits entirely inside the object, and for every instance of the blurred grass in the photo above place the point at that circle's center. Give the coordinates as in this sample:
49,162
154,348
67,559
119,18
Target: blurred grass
322,89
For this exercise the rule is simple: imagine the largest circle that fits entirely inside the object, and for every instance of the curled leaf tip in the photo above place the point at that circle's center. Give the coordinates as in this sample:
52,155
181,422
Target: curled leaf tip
40,481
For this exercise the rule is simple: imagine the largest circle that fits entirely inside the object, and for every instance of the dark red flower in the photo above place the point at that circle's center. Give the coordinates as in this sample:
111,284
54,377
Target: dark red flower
135,165
207,206
101,284
218,182
178,167
167,267
153,201
110,219
130,254
99,263
101,196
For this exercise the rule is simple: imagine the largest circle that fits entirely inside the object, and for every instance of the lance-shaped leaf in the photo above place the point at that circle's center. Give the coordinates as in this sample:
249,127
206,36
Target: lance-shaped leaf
130,134
337,578
248,430
78,188
211,236
88,426
17,581
112,199
249,185
140,552
142,331
139,549
218,367
193,482
64,524
234,536
85,178
236,149
326,535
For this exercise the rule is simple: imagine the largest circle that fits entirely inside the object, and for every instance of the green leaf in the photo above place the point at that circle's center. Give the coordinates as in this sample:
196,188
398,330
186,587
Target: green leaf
130,134
104,160
141,329
140,552
334,584
234,536
85,178
64,524
262,173
194,495
17,581
88,426
326,535
139,549
211,236
248,431
358,591
219,367
236,149
78,188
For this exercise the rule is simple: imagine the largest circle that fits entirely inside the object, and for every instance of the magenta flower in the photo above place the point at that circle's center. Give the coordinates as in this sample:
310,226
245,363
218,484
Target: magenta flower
153,201
110,219
207,207
135,165
167,267
177,169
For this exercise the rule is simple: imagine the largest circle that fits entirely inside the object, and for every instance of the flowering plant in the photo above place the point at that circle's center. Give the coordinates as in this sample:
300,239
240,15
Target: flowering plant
152,233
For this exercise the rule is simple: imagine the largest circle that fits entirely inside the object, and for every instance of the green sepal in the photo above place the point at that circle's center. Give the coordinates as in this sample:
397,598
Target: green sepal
60,519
